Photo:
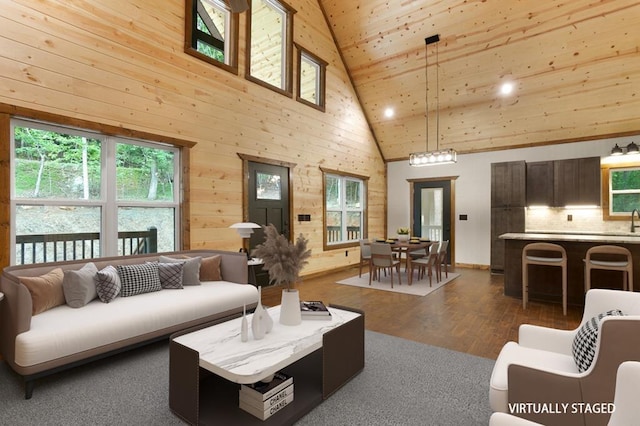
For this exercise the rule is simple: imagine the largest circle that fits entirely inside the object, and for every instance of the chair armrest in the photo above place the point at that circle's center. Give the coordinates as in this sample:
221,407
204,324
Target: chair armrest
546,339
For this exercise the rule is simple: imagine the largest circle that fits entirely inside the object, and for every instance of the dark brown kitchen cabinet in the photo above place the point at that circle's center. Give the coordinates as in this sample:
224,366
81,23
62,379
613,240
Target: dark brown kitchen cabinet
508,199
508,184
503,220
540,183
576,182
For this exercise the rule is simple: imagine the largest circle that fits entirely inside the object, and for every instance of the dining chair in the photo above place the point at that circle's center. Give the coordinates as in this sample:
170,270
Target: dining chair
365,254
442,260
427,263
382,258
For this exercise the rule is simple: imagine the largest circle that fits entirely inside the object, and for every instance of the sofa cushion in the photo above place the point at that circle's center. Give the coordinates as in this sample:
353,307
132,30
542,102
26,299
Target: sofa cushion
170,274
139,278
79,285
46,290
108,284
191,271
64,331
210,268
584,344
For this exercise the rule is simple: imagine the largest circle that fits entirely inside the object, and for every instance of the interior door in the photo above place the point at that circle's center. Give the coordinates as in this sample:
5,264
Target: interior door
432,211
268,199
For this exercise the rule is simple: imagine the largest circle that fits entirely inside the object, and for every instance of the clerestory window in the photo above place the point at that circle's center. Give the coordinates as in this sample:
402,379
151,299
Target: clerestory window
270,45
311,79
77,194
212,33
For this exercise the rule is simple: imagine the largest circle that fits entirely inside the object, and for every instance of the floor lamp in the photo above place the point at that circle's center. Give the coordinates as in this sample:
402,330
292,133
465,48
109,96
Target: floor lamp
245,229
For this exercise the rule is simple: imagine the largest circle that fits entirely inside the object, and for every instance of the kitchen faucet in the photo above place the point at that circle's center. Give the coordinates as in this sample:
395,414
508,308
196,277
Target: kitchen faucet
633,225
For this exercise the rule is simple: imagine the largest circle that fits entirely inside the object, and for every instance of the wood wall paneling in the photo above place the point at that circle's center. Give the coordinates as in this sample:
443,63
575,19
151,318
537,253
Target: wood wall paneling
121,64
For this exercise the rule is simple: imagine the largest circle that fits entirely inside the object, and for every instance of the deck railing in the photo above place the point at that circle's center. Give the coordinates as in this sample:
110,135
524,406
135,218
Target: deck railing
42,248
334,233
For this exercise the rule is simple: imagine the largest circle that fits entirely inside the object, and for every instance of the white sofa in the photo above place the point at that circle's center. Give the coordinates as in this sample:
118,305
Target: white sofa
540,368
64,336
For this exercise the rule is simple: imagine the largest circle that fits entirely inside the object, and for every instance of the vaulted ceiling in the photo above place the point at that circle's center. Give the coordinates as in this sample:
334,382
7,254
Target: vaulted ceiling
575,66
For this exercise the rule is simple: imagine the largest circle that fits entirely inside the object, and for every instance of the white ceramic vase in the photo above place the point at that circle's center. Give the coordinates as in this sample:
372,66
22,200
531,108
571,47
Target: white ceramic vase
403,237
267,321
290,307
244,325
257,320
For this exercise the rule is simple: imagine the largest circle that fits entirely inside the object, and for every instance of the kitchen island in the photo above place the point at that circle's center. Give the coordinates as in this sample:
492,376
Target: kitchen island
545,283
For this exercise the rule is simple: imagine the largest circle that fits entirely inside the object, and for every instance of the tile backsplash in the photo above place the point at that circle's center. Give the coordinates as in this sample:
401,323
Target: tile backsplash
582,220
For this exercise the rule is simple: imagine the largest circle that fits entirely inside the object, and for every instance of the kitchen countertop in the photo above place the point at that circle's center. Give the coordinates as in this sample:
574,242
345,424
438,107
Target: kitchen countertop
620,238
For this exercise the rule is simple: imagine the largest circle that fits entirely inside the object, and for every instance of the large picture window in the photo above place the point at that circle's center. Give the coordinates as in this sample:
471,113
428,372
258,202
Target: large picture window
345,209
270,45
77,194
212,33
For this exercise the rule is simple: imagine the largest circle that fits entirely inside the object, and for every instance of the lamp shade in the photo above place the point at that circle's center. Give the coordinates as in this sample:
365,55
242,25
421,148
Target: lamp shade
245,229
632,148
616,150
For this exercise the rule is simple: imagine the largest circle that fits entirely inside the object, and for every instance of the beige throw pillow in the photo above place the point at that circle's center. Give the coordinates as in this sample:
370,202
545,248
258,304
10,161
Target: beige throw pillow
46,290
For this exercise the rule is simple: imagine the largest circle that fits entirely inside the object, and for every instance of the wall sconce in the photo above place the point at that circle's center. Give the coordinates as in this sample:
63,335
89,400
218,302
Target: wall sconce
630,149
245,229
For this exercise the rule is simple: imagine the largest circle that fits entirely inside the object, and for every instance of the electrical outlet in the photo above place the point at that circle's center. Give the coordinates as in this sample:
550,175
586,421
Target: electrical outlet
346,253
569,217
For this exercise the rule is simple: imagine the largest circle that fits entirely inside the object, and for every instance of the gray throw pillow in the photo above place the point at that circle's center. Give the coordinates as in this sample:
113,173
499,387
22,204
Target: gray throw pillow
139,278
108,284
170,274
79,286
191,271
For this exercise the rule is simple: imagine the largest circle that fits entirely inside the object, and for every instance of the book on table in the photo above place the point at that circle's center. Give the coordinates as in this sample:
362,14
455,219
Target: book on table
262,400
264,410
261,391
314,309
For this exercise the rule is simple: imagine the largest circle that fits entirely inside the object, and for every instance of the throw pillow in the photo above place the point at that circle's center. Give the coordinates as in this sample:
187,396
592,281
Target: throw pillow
170,274
108,284
139,278
191,271
584,344
46,290
210,268
79,286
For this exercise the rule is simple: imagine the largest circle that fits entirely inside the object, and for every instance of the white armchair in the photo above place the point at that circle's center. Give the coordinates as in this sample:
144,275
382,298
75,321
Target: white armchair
540,369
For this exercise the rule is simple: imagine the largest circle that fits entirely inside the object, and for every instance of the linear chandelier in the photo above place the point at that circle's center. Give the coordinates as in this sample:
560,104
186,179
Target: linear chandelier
429,158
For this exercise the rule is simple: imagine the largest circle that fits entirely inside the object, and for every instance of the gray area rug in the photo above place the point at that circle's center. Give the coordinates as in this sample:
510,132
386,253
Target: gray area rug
403,383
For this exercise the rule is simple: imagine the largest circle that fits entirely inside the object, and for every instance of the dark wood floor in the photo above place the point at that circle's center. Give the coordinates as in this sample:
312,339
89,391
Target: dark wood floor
470,314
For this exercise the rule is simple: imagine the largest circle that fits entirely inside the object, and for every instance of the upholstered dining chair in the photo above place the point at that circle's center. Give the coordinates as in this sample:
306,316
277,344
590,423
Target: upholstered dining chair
365,254
423,264
382,258
442,260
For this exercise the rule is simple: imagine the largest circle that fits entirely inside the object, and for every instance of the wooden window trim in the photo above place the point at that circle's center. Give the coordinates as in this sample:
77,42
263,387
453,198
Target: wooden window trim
605,173
322,64
234,32
365,210
288,72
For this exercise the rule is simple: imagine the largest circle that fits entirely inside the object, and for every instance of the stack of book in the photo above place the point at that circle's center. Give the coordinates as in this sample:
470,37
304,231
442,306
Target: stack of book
315,310
263,400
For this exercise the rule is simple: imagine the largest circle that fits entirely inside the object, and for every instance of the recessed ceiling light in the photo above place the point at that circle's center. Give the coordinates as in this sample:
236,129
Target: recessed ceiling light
389,112
506,88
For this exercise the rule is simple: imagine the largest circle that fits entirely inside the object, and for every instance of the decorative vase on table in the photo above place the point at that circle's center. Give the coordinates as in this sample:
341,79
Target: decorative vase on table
403,237
267,321
258,325
290,307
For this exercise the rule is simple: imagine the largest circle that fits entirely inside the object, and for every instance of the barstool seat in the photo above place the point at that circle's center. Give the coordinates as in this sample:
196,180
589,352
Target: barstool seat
557,256
613,252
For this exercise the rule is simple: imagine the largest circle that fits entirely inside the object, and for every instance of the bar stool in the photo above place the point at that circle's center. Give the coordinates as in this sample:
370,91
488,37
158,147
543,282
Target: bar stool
626,266
560,259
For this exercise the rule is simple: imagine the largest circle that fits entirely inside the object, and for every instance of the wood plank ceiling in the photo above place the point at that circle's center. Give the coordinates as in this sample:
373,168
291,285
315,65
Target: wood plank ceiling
575,66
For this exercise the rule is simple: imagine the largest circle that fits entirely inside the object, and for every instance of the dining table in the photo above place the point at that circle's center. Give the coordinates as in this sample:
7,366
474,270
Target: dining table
404,247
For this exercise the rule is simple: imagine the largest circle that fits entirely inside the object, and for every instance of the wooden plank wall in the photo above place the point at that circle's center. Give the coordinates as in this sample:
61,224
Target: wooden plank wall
121,63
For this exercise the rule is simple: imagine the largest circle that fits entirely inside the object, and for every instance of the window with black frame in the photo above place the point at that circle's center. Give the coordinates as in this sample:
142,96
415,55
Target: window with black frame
212,33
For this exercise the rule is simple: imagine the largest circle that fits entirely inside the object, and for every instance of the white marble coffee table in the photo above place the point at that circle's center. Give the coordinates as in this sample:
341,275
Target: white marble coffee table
223,353
208,365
